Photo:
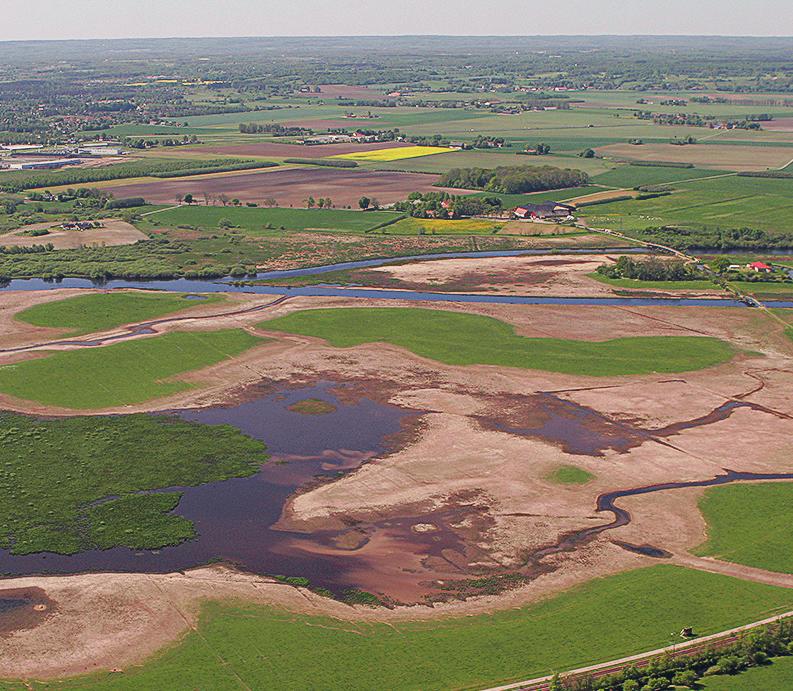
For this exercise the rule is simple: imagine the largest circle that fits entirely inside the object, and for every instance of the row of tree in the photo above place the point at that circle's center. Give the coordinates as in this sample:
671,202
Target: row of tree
514,180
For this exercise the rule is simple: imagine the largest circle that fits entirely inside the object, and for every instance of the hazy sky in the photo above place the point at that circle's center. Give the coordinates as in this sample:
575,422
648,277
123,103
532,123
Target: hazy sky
55,19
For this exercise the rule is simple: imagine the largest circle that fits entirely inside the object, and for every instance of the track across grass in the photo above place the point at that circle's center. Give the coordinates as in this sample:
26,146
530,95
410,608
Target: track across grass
123,373
96,312
750,524
465,339
244,645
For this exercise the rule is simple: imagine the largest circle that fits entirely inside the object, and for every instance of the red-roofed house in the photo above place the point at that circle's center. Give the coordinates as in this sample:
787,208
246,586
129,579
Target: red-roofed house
759,266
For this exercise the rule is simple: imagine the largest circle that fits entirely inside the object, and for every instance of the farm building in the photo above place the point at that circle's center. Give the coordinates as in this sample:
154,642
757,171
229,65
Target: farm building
760,267
546,210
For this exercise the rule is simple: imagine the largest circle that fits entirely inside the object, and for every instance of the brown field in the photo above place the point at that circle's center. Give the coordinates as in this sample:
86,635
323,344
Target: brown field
726,157
115,232
279,150
290,187
779,125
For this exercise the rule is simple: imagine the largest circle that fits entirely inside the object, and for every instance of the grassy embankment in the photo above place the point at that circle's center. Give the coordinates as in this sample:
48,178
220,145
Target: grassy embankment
244,645
97,312
123,373
68,485
466,339
750,524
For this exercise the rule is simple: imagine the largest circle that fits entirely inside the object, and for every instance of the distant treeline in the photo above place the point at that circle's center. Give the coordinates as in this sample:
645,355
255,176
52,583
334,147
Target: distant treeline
17,181
661,164
514,180
274,129
719,239
766,174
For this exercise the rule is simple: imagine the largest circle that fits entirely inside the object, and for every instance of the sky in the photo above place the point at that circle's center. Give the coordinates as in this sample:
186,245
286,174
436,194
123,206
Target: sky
63,19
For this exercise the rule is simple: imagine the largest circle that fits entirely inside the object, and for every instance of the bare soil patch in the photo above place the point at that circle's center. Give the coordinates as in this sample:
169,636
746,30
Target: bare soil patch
279,150
115,232
721,157
290,187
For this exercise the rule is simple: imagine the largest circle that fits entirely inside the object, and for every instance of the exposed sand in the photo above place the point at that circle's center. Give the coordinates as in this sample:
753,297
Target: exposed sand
115,232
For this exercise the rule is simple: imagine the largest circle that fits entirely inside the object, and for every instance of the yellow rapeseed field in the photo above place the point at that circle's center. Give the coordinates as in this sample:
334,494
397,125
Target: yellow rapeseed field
395,154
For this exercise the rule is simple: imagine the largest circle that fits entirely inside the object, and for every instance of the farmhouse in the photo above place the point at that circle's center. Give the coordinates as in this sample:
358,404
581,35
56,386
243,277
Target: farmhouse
546,210
760,267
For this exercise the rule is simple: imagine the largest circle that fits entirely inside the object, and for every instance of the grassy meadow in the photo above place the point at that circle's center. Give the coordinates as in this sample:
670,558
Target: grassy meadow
570,475
71,484
728,202
123,373
239,645
456,338
253,220
97,312
750,524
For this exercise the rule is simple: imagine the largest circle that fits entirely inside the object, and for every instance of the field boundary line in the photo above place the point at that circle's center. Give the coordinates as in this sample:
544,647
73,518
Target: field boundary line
624,661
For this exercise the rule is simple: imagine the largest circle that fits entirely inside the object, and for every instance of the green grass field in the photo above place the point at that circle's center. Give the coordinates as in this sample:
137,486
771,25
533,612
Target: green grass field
241,645
633,176
728,202
777,676
637,284
123,373
253,220
96,312
69,484
570,475
750,524
466,339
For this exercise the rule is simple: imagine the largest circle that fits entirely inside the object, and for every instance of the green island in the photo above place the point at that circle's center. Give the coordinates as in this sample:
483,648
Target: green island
603,619
73,484
312,406
750,524
96,312
122,373
457,338
570,475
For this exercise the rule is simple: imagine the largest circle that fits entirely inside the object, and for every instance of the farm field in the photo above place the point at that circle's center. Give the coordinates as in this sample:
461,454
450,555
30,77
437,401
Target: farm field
101,311
729,157
394,153
262,219
288,187
727,202
606,618
462,339
439,226
123,373
750,524
633,176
